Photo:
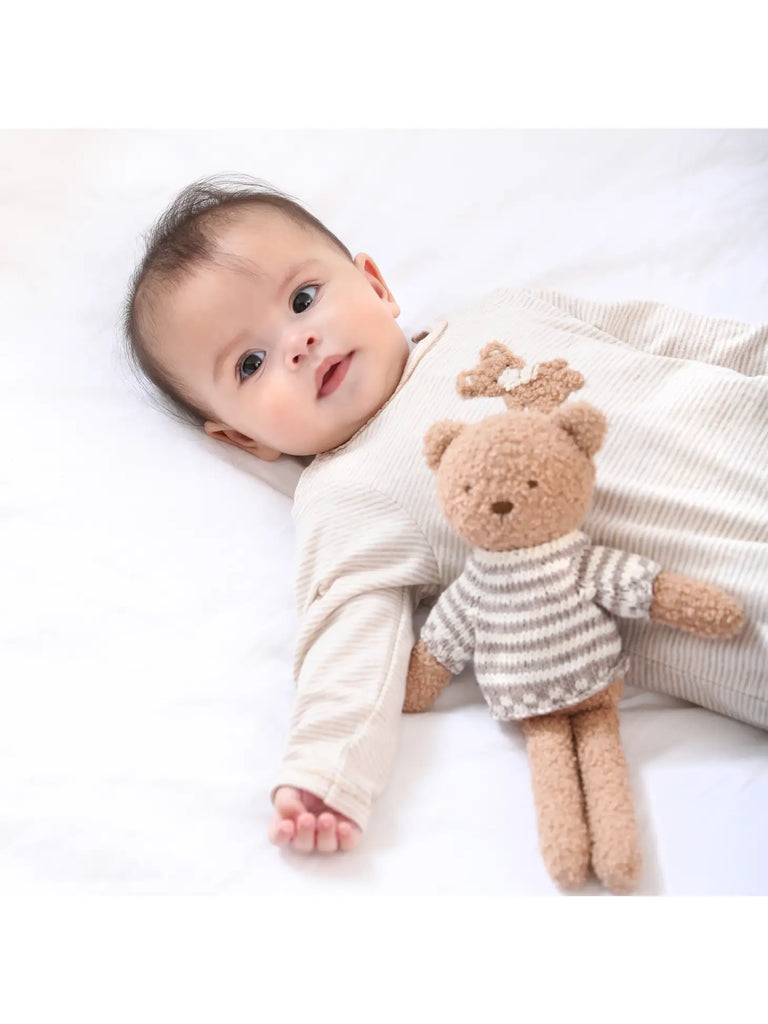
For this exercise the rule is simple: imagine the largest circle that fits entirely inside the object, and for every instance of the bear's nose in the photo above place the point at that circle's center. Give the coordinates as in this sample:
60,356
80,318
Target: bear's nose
502,507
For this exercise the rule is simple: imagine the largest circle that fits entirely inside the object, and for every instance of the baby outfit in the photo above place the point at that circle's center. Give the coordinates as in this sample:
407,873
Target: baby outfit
682,480
535,621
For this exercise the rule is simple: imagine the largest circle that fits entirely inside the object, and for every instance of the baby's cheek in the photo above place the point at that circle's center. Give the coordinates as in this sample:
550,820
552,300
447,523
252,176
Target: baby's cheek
278,423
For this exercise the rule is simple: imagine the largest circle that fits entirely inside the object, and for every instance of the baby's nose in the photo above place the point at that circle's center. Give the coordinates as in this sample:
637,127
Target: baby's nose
298,347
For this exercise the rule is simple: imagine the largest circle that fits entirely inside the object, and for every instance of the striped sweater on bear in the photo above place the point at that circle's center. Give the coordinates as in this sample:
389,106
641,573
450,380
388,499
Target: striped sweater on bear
539,622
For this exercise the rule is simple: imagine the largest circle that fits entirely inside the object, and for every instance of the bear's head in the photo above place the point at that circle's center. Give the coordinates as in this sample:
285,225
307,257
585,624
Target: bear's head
517,479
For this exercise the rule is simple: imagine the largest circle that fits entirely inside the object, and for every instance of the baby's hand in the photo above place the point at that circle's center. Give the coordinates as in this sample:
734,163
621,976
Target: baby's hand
302,821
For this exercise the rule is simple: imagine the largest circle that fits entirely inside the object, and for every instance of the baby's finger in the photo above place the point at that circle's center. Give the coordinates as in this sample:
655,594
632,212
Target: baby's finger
281,831
288,802
304,840
349,836
327,841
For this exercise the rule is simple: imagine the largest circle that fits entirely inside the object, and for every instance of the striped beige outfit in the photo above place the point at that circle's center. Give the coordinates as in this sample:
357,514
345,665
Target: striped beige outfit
682,479
537,622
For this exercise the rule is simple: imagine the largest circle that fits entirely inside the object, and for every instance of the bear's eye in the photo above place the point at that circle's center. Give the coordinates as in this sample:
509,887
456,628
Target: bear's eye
533,483
467,488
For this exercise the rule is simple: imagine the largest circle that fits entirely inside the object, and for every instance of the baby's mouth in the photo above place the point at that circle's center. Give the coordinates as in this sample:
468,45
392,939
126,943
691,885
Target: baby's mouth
330,373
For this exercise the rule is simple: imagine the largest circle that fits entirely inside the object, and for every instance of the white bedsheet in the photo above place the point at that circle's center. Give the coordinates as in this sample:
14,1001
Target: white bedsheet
146,620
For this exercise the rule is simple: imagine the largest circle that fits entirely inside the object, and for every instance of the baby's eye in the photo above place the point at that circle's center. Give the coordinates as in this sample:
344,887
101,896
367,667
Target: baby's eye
303,298
250,364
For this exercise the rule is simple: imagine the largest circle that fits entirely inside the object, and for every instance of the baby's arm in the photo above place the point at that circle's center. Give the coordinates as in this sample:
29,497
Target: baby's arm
356,591
346,719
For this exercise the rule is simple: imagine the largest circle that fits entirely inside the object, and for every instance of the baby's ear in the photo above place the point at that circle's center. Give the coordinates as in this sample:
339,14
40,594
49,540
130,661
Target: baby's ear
229,436
437,439
585,424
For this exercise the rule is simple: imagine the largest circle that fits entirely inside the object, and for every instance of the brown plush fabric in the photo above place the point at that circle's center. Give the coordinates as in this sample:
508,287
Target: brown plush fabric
550,386
696,606
483,379
584,806
616,858
560,814
426,680
584,424
539,463
546,386
437,439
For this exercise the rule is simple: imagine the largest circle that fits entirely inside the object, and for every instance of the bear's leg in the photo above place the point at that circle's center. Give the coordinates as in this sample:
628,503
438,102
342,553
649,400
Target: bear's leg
616,856
560,816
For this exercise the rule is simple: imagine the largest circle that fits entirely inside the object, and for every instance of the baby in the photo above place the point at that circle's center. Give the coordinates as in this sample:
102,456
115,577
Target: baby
257,322
254,318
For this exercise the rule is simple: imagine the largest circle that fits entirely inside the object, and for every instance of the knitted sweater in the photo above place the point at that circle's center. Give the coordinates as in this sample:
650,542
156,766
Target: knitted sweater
681,478
537,622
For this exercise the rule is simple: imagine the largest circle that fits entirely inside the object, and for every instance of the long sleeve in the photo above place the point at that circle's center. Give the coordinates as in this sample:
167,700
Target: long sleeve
622,582
362,563
449,632
662,330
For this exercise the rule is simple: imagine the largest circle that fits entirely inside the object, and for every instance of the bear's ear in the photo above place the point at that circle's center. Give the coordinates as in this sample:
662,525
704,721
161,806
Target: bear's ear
585,424
437,439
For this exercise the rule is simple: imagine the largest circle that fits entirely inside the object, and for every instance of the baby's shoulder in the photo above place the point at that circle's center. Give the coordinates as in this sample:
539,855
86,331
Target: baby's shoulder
347,482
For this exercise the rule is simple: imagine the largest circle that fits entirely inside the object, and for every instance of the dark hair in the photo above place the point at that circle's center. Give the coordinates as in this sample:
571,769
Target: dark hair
181,240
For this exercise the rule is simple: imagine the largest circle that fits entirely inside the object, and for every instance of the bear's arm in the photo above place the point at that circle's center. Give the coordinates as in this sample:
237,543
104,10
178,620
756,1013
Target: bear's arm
622,582
449,632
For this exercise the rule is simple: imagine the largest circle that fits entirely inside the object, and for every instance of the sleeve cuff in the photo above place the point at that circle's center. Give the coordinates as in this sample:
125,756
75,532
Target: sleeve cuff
355,805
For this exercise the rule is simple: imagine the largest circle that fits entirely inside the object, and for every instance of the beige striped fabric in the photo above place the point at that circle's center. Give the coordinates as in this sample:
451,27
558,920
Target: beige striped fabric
537,622
682,479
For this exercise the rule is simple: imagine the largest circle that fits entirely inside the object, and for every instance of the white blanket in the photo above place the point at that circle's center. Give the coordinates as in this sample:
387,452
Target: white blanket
146,615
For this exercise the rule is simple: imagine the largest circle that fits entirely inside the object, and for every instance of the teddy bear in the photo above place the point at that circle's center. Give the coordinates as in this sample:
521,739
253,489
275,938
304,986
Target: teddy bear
536,607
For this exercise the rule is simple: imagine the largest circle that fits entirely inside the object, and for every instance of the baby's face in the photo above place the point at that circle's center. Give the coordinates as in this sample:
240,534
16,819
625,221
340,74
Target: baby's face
290,345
